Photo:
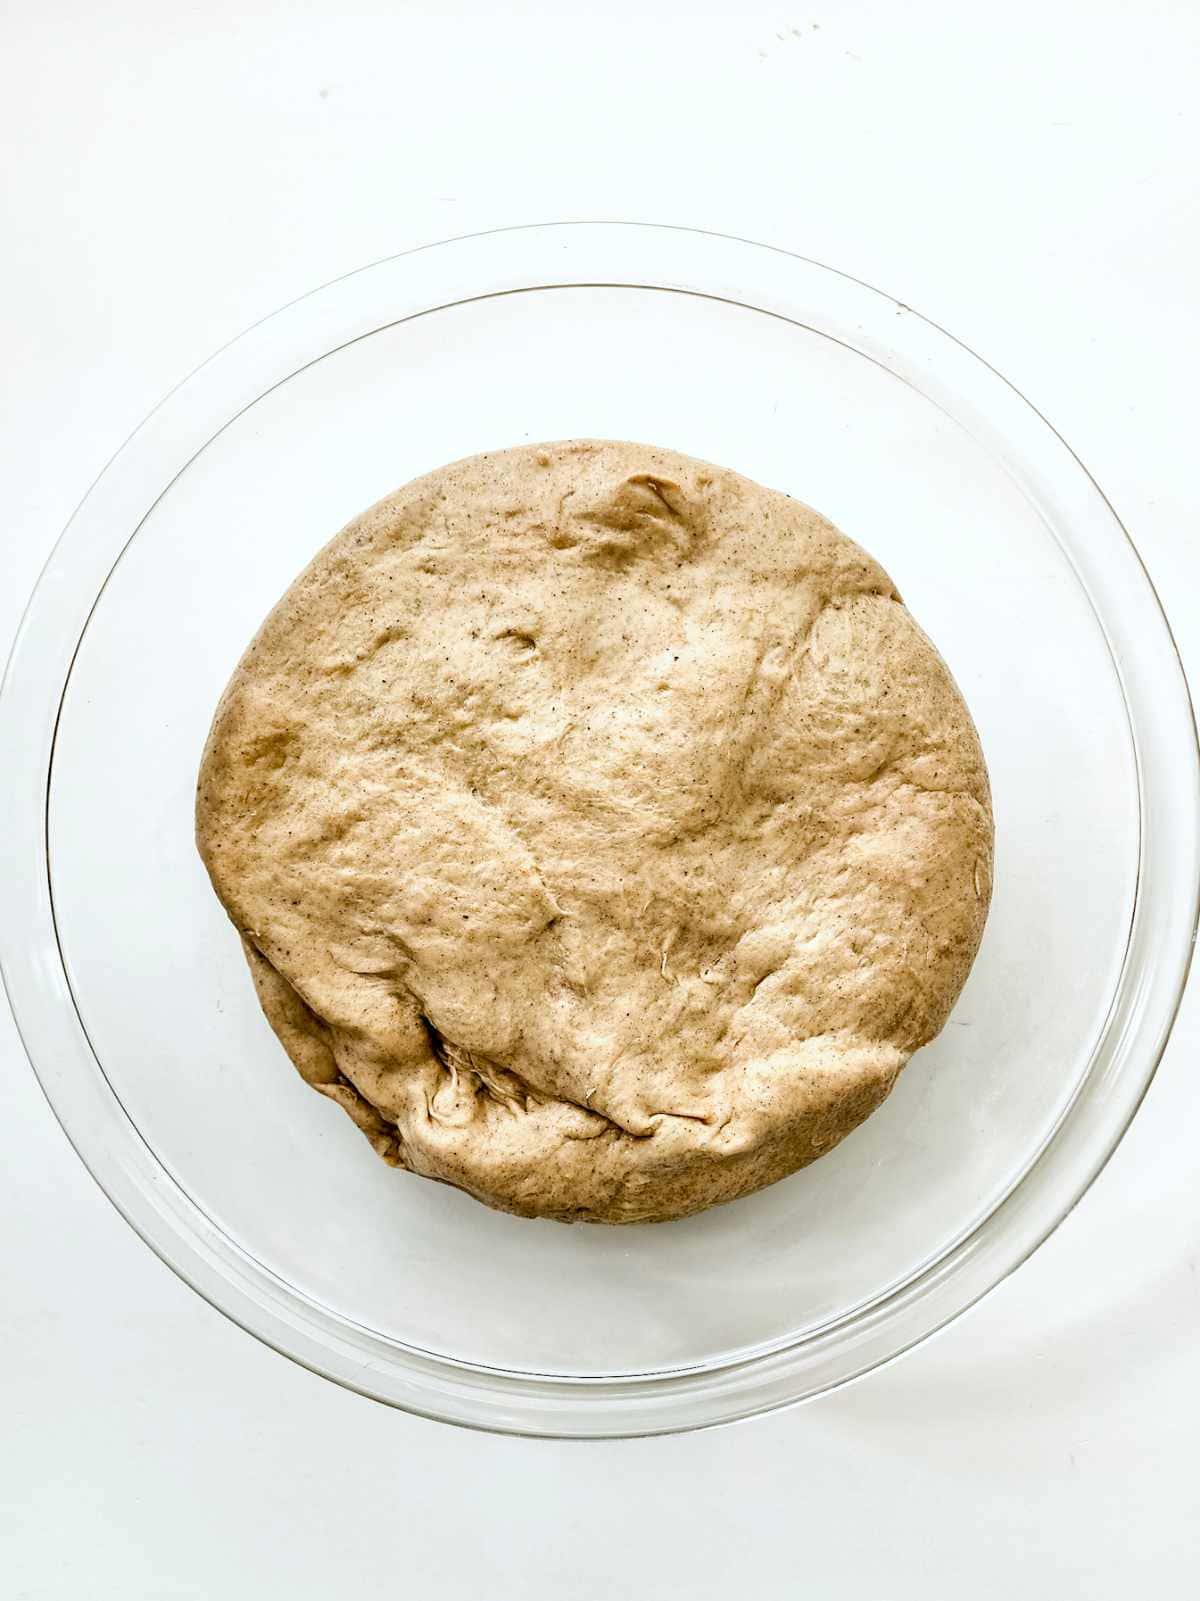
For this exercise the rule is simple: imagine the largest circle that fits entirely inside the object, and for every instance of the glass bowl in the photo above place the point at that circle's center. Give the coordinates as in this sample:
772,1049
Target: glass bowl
128,983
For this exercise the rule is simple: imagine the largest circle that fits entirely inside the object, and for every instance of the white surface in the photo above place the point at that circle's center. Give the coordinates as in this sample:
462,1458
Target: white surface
1027,181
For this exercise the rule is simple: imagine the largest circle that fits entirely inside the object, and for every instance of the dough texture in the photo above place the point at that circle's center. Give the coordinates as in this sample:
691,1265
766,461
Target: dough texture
603,833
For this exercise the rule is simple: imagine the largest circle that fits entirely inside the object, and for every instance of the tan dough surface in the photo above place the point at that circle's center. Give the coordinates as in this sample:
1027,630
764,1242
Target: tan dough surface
603,832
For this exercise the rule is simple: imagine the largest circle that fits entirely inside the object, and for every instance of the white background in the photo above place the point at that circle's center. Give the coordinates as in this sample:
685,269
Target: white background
1024,174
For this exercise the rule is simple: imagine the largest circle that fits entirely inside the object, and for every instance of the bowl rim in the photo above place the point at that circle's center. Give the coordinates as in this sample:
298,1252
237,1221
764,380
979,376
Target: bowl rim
1106,563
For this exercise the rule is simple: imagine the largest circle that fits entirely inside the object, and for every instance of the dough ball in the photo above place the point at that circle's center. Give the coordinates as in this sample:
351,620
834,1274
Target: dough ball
603,832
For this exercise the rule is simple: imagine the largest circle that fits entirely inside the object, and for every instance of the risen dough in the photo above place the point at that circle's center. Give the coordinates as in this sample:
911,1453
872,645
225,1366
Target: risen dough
603,833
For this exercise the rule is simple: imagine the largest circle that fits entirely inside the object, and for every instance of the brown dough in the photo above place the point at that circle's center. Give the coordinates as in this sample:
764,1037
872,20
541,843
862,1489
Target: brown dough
603,832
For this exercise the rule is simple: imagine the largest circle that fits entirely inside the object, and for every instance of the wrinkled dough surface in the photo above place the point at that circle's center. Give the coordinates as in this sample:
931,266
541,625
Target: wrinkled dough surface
603,833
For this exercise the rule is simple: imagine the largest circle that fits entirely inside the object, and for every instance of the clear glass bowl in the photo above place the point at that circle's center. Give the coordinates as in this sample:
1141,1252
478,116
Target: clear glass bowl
128,983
